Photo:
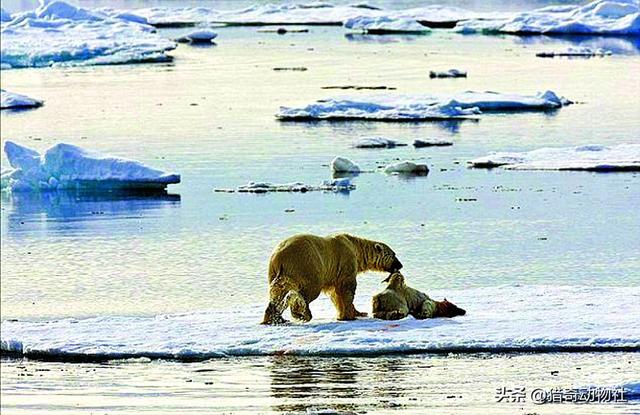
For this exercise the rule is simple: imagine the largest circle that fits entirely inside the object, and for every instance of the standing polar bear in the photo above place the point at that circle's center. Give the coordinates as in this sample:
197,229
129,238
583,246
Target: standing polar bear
303,266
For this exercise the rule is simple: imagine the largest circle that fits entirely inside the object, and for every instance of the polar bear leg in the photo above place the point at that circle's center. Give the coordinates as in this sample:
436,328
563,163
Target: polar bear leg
342,297
298,306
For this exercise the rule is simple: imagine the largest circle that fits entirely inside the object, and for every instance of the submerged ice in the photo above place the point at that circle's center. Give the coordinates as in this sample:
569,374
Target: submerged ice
58,33
11,100
65,166
335,185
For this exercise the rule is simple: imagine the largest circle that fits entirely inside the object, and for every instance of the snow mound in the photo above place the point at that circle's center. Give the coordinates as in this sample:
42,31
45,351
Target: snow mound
532,319
58,33
407,167
336,185
606,17
623,157
451,73
344,165
420,107
377,142
65,166
384,25
198,36
11,100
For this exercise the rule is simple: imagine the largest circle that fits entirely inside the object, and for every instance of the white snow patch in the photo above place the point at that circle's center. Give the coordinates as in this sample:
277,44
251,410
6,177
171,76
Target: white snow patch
377,142
531,318
12,100
384,25
344,165
407,167
58,33
65,166
589,157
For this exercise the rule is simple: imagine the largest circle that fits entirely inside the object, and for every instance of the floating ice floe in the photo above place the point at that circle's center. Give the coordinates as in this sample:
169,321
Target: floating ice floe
384,25
623,157
431,143
377,142
407,167
336,185
4,16
420,107
10,100
575,53
606,17
57,33
451,73
198,36
65,166
556,318
344,165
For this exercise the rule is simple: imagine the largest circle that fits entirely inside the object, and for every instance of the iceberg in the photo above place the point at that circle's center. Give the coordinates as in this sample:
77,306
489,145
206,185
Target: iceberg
622,157
421,107
384,25
407,167
604,17
377,142
16,101
336,185
68,167
58,33
451,73
344,165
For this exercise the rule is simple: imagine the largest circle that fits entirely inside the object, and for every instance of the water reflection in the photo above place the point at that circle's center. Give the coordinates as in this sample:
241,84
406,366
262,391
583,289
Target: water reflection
618,45
382,39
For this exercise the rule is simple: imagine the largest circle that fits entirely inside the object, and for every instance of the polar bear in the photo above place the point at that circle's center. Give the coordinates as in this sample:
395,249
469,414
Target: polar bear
399,300
303,266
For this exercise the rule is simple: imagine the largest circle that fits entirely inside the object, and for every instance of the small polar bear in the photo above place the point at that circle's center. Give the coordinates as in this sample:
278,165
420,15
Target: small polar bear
399,300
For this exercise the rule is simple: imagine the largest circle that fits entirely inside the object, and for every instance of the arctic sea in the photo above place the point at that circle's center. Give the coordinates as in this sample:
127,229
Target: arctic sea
151,303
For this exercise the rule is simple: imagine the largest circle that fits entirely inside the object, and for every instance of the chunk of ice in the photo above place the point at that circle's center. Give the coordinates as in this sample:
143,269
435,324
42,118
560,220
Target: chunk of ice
198,36
336,185
12,100
451,73
344,165
65,166
377,142
431,143
407,167
384,25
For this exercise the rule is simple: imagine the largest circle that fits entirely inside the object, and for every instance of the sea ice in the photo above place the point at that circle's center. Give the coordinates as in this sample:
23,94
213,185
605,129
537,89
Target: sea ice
431,143
344,165
58,33
4,15
420,107
65,166
198,36
384,25
377,142
451,73
12,100
574,52
407,167
622,157
336,185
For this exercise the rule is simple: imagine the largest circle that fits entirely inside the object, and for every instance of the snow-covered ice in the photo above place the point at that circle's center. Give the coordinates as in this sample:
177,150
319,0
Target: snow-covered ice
421,107
574,52
384,25
377,142
451,73
531,318
12,100
589,157
344,165
335,185
407,167
58,33
65,166
198,36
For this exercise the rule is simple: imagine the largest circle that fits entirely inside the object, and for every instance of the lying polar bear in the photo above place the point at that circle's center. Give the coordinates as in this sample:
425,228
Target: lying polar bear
398,300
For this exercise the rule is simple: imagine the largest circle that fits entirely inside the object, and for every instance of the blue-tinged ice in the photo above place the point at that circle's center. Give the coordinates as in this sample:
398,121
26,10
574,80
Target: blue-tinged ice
10,100
68,167
384,25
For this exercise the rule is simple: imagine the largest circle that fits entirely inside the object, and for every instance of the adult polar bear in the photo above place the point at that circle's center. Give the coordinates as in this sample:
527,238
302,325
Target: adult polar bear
303,266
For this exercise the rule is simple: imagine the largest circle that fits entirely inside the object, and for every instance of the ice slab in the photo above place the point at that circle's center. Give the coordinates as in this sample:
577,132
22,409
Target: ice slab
605,17
344,165
377,142
58,33
623,157
65,166
532,319
420,107
336,185
12,100
407,167
384,25
431,143
198,36
451,73
575,53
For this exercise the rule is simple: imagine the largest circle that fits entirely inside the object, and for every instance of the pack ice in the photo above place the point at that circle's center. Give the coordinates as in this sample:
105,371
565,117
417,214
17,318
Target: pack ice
67,167
622,157
12,100
420,107
58,33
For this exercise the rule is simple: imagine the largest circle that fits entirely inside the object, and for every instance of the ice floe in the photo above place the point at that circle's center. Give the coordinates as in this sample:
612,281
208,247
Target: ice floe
421,107
384,25
575,53
58,33
65,166
198,36
11,100
407,167
622,157
431,143
377,142
451,73
344,165
336,185
531,318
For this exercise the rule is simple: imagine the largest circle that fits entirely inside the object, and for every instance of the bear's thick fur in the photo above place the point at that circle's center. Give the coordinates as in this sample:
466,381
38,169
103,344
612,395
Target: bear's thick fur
303,266
399,300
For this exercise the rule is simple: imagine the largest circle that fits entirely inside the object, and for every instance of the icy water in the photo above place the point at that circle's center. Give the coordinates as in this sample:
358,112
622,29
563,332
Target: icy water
209,115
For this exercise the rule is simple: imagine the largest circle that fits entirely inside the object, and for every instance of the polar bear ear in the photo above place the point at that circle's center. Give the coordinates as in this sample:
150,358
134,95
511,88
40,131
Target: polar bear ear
378,247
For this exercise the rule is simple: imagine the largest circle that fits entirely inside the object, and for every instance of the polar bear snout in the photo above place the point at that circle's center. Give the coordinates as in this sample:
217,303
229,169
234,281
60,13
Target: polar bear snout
395,266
